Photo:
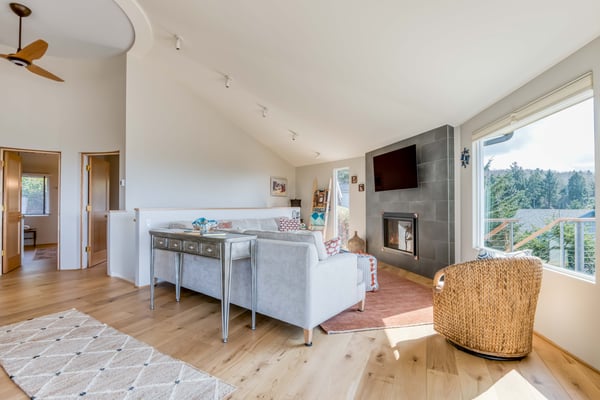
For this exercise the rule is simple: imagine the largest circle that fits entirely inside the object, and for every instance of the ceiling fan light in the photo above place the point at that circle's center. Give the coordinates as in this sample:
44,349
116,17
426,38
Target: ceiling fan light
19,62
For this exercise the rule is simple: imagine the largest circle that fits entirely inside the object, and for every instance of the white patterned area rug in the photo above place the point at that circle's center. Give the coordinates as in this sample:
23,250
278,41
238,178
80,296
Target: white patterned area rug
70,355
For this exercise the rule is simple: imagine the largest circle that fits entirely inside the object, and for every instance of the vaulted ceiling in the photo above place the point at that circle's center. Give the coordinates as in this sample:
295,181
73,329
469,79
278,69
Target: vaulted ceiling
340,77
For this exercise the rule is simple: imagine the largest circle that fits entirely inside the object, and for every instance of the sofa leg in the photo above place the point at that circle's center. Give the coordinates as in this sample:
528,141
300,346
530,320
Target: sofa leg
361,305
308,333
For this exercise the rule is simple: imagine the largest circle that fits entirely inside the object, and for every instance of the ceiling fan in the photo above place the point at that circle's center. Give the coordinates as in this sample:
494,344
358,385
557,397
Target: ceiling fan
24,57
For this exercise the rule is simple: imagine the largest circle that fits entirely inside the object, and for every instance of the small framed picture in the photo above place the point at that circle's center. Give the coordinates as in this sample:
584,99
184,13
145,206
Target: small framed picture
361,187
278,186
354,179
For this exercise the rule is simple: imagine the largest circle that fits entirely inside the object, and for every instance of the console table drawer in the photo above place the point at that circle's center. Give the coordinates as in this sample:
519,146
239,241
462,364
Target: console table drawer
174,244
210,250
161,243
191,246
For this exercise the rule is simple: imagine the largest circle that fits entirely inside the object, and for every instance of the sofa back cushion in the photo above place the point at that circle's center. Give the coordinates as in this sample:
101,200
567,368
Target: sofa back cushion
312,237
263,224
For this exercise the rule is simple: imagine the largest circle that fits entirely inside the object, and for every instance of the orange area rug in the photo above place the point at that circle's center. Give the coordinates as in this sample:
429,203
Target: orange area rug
399,302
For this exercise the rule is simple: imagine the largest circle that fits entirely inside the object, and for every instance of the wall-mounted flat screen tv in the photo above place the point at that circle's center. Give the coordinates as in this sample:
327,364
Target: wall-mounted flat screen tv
396,169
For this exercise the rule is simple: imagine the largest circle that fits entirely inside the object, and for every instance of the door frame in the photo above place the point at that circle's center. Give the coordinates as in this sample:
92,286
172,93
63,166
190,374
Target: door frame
58,206
84,190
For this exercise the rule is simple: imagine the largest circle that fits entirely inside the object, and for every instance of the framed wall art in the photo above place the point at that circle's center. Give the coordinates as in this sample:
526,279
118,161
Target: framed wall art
278,186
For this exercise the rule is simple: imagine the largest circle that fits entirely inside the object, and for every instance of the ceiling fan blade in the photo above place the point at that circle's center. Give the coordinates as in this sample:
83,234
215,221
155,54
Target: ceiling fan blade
4,56
33,51
42,72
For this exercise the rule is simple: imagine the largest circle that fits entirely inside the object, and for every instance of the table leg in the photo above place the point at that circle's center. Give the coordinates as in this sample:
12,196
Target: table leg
178,266
225,287
151,273
254,280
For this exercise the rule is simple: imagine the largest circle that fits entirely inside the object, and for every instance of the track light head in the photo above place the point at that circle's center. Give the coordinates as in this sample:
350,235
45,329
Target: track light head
178,40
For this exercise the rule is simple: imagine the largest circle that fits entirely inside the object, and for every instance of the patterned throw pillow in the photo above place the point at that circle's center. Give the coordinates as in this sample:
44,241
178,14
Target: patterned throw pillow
332,246
485,254
288,224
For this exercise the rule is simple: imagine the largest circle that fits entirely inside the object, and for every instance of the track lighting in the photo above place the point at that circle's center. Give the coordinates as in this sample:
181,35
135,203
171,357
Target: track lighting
265,111
294,135
228,81
317,155
178,40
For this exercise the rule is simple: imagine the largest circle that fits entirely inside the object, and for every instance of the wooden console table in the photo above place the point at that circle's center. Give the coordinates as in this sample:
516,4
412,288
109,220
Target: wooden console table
214,245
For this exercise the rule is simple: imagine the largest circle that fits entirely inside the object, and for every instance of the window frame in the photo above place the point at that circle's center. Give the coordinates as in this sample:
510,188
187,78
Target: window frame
566,96
46,200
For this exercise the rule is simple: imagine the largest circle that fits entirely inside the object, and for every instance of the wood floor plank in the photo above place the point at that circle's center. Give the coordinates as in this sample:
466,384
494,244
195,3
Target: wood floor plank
272,361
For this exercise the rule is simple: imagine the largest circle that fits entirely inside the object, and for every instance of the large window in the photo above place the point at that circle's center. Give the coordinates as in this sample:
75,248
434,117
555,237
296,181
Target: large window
537,186
35,195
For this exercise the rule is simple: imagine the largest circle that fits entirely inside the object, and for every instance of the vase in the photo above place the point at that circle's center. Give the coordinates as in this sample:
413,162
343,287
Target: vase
356,244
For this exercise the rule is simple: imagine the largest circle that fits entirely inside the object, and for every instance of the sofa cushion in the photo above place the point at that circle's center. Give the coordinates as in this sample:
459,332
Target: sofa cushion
263,224
332,246
312,237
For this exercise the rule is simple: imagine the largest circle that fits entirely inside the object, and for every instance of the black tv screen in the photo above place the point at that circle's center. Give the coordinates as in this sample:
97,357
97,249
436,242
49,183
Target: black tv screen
396,169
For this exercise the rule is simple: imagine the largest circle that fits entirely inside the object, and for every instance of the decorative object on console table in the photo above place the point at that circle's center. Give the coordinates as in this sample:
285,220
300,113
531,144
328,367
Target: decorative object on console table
356,244
203,224
278,186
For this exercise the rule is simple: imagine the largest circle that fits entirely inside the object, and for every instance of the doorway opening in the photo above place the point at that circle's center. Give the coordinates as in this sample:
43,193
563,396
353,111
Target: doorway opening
341,205
100,191
31,214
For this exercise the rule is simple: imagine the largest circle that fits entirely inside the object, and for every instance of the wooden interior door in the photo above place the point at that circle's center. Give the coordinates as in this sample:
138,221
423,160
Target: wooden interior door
12,217
98,206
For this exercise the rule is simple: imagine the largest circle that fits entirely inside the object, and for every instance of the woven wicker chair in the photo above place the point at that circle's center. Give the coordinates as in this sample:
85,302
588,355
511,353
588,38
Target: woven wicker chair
487,307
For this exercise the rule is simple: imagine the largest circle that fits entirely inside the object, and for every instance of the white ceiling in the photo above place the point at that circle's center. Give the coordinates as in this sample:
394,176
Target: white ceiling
72,28
347,76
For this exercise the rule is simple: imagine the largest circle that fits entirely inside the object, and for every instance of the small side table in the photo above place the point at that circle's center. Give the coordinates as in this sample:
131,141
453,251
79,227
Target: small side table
30,233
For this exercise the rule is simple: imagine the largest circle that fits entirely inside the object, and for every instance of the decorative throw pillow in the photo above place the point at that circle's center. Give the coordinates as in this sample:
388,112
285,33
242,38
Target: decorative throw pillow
288,224
332,246
486,254
225,225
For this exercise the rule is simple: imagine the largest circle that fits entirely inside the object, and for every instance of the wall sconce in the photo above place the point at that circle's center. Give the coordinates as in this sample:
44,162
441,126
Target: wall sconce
464,158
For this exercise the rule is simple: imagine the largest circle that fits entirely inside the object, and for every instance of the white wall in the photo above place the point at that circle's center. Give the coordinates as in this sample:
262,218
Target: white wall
182,153
85,113
323,173
567,310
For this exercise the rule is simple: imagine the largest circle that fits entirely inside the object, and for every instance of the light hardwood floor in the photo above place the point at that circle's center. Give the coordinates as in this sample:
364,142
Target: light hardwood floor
273,363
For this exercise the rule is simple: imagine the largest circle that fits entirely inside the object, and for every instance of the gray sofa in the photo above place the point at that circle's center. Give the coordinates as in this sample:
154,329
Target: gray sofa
297,282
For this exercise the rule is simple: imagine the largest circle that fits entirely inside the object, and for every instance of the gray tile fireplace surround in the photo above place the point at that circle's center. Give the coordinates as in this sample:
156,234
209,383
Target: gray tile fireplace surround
433,201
